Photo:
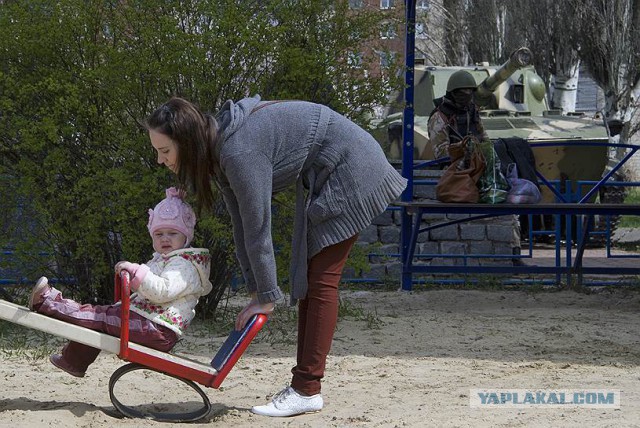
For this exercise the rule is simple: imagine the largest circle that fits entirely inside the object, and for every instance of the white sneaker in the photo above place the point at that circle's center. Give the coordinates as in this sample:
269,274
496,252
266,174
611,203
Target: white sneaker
289,403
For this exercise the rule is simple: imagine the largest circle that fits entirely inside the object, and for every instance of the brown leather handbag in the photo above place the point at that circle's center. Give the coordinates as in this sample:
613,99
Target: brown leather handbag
459,182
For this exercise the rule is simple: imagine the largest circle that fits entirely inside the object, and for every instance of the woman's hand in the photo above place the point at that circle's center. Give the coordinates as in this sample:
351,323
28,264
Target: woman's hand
251,309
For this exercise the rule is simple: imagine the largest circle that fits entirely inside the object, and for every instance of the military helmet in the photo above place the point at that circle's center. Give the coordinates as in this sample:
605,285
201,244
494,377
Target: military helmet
461,79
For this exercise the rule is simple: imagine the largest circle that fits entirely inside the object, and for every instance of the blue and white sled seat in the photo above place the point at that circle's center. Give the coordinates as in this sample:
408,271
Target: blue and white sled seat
141,357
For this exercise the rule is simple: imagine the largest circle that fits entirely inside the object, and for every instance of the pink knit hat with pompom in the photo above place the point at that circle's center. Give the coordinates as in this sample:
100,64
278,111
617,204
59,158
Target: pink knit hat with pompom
173,213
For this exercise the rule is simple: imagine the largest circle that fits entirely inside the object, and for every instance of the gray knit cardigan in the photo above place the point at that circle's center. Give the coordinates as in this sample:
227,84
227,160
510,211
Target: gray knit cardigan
342,177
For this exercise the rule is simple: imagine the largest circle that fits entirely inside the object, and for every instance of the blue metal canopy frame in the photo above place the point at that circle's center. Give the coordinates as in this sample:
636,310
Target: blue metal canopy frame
410,226
407,134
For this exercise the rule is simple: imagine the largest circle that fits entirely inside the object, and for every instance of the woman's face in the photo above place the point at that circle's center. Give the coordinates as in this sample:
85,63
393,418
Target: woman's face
167,150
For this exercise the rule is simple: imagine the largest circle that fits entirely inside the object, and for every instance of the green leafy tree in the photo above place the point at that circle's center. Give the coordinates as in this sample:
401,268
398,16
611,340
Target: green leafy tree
78,77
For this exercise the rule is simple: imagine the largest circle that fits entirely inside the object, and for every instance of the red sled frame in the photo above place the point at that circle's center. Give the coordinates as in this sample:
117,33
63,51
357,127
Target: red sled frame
140,357
185,370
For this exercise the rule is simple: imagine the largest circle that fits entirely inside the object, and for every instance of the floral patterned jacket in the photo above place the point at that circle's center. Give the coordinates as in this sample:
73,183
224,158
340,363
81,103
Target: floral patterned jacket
169,285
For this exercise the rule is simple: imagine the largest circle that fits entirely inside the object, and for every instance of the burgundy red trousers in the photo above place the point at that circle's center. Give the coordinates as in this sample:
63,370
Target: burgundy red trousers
105,319
318,316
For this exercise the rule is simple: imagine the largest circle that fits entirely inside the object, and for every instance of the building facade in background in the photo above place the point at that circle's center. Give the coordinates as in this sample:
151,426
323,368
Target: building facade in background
429,37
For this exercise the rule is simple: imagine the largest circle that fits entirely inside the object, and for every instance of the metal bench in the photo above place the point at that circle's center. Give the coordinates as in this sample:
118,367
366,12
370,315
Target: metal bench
564,212
567,207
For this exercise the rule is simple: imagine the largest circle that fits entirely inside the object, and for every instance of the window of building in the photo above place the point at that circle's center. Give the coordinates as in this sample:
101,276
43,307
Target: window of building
423,5
388,31
354,59
421,30
356,4
386,4
386,58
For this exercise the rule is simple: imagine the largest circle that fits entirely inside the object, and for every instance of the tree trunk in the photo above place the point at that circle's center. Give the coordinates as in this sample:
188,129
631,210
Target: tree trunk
456,37
564,86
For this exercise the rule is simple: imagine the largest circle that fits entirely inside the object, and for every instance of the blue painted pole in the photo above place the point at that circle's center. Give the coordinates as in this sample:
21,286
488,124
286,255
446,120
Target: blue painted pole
407,141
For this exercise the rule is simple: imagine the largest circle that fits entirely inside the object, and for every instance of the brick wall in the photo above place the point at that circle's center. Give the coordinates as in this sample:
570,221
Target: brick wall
499,235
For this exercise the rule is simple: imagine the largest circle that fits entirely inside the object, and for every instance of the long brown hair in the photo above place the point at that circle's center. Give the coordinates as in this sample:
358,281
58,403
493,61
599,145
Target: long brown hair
195,135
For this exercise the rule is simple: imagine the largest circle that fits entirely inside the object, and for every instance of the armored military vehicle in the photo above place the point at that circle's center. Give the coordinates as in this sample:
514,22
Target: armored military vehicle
512,103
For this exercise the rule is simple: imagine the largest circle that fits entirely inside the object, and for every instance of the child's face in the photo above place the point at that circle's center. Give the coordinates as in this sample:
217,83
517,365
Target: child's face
166,240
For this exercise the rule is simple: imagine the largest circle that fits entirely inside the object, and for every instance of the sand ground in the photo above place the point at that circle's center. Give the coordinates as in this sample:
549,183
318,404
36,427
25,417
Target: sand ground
399,360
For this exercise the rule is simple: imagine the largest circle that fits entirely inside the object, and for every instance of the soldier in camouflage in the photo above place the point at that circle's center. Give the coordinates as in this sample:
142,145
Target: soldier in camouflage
456,115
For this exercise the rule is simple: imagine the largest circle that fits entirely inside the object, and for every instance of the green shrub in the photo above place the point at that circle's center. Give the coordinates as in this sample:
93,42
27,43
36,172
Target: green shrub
78,77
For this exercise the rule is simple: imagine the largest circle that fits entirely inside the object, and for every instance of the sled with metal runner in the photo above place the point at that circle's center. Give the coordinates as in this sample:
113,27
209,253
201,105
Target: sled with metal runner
139,357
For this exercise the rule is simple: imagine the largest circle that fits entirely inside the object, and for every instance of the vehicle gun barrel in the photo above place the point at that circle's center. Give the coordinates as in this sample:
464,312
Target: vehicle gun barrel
518,59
